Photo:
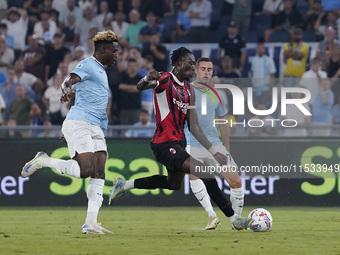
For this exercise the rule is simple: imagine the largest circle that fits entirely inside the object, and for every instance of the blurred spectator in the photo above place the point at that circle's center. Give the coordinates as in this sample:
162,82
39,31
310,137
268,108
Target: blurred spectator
183,22
71,7
295,114
199,12
15,3
3,77
47,5
69,31
285,20
2,109
62,70
173,7
54,54
34,8
23,110
312,14
89,47
17,26
158,52
119,25
325,46
129,95
83,4
227,7
7,90
3,6
59,5
272,7
157,7
105,17
56,111
295,54
331,21
45,28
263,123
329,5
34,58
322,109
7,55
144,121
133,29
263,76
234,46
333,70
79,54
146,31
228,76
130,53
147,94
241,14
32,84
311,79
9,38
83,28
336,111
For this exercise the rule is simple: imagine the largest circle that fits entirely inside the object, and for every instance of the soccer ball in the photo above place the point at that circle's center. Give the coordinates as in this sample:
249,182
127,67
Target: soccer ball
262,220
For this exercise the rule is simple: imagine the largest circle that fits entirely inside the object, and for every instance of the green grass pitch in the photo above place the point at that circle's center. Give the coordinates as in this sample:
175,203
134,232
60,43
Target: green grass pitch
165,230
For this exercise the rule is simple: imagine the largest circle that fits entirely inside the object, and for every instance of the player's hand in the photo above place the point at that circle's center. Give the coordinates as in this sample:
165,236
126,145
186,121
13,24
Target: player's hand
222,159
153,75
67,96
63,139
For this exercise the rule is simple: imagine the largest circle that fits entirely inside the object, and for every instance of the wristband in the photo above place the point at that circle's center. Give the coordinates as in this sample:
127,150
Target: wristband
213,150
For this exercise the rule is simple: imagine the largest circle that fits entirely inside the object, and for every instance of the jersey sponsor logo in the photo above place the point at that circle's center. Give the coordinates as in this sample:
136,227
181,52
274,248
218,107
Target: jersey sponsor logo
172,151
181,106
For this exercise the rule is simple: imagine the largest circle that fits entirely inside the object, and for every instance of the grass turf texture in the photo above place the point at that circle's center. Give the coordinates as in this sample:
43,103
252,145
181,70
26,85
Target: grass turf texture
165,230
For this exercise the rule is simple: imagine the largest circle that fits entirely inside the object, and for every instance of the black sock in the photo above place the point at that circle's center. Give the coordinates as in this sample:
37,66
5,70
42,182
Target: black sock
152,182
217,196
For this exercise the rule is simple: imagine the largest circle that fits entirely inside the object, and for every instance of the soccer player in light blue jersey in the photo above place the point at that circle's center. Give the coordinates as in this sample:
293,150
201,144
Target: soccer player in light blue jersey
84,125
204,72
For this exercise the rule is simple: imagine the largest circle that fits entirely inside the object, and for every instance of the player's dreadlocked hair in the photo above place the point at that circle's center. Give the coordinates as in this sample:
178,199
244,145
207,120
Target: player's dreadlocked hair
105,37
176,55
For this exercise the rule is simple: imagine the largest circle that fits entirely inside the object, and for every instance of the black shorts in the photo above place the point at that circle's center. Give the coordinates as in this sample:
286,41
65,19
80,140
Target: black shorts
171,154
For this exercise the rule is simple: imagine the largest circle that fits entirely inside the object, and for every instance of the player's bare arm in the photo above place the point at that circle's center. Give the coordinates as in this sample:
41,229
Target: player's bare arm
149,81
68,94
197,132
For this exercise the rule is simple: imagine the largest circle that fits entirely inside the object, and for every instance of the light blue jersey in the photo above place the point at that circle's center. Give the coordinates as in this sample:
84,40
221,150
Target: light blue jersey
206,121
92,93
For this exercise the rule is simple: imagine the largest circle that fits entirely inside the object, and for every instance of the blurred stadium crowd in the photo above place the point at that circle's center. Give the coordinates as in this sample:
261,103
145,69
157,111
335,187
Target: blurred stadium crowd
41,42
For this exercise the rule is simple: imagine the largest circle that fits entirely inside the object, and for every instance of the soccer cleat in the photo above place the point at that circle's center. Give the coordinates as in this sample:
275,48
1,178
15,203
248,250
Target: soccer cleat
94,229
36,163
117,190
213,223
241,222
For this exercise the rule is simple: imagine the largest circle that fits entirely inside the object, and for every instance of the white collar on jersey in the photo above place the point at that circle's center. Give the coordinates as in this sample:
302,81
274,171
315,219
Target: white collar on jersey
97,61
176,80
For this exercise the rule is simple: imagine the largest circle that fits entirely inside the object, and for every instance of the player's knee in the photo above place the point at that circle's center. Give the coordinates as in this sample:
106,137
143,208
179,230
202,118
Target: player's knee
235,183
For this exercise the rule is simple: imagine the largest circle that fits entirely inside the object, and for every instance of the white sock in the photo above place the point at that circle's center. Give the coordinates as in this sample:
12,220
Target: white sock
69,167
200,192
237,200
95,200
129,185
232,218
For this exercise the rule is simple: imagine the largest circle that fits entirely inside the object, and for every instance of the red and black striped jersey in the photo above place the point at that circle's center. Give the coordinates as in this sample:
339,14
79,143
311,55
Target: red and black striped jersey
171,100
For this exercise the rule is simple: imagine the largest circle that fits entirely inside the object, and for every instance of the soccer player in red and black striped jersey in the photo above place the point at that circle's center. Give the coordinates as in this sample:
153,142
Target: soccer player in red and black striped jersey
174,100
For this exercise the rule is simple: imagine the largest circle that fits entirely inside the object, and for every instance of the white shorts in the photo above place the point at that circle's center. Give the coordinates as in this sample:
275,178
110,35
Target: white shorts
203,155
83,137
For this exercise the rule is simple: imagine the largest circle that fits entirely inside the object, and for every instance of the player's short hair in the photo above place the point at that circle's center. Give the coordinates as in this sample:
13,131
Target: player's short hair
104,37
203,59
3,25
176,55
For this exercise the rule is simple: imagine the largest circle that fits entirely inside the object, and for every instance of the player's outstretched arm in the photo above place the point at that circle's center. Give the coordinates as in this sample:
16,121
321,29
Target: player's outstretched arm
149,82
